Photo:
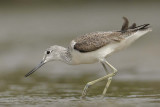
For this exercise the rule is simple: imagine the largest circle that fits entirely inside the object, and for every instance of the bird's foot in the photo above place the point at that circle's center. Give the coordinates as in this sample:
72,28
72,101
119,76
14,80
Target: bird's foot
84,93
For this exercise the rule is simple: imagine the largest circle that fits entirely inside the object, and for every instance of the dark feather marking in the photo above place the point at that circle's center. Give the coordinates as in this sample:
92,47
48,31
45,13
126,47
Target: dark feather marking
143,26
125,24
132,26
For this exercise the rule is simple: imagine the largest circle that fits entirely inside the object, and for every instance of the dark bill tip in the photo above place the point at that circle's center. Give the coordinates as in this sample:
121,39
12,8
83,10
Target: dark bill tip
34,69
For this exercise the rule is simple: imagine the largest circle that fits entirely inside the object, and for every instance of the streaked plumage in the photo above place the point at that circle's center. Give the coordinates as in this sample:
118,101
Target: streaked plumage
93,41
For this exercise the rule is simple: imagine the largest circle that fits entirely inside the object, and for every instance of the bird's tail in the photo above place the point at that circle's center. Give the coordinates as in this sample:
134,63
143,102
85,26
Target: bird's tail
133,26
142,27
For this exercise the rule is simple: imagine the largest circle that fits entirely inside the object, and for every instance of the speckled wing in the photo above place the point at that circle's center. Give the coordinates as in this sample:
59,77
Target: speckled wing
93,41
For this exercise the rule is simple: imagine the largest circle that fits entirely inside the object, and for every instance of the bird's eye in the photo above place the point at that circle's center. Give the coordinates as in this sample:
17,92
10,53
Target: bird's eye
48,52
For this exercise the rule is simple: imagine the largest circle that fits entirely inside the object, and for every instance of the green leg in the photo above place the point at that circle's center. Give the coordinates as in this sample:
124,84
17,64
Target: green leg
93,82
109,76
105,68
107,85
114,69
109,79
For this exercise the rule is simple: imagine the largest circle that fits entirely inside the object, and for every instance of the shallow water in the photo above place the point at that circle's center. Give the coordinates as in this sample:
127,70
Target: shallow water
17,91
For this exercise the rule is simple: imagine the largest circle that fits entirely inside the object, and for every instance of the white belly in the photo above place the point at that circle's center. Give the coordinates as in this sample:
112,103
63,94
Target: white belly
94,56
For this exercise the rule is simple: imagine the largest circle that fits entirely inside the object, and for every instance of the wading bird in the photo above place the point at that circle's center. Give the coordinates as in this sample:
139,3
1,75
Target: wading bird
95,47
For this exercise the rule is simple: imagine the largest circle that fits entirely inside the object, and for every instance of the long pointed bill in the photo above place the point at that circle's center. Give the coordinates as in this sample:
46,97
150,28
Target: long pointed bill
33,70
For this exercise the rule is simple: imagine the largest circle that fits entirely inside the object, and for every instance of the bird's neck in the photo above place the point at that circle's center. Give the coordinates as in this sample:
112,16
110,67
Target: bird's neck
65,55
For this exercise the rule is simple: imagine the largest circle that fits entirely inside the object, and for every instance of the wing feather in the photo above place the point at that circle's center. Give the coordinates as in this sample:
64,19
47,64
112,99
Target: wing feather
93,41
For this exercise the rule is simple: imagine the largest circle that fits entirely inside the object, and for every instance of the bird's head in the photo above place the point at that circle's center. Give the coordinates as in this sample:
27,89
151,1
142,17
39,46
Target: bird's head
51,54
